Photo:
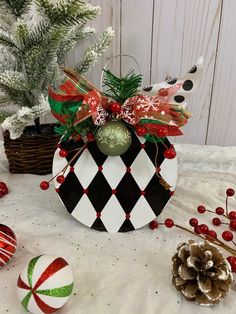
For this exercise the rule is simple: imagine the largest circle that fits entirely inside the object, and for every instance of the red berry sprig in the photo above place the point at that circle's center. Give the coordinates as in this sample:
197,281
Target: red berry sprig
44,185
3,189
204,232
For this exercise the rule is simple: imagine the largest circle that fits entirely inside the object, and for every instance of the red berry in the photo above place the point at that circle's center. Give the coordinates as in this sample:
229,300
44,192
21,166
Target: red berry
216,221
232,225
201,209
212,234
90,137
162,131
153,224
141,130
163,92
230,192
115,107
1,194
232,261
72,169
203,229
60,179
219,211
44,185
232,215
63,153
227,236
196,230
170,153
4,190
169,223
3,185
78,137
193,222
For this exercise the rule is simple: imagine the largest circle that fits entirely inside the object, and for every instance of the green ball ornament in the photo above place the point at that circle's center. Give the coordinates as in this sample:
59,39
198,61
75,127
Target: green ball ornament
113,138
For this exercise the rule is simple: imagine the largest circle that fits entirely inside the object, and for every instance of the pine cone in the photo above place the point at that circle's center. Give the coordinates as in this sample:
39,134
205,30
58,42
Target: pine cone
201,272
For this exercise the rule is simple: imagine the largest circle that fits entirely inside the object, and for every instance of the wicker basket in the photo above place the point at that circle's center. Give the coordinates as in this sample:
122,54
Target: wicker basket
32,152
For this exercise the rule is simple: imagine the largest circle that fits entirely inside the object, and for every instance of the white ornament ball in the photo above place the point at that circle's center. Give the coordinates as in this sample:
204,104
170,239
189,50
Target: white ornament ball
45,284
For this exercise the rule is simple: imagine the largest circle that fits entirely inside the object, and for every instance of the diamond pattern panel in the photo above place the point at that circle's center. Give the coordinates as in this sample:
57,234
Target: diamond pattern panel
129,156
126,226
99,192
85,168
142,213
71,191
151,151
142,169
98,225
98,156
127,192
87,216
156,195
113,209
120,193
113,170
169,172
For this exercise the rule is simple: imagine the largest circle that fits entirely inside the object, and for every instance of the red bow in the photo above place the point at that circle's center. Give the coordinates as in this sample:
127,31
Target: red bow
151,111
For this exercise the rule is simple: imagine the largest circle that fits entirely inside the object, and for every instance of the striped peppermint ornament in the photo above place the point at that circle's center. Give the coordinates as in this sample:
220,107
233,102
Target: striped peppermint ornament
45,284
8,244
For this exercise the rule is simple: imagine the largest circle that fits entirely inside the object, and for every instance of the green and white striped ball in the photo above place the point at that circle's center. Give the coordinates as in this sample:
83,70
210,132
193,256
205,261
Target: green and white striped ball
45,284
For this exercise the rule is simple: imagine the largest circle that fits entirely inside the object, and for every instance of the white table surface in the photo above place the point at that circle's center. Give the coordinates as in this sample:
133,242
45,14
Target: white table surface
126,273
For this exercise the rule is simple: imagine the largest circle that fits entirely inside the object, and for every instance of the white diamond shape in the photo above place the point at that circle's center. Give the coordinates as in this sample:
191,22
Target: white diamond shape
114,170
85,212
142,213
142,169
141,139
85,168
113,215
169,171
58,164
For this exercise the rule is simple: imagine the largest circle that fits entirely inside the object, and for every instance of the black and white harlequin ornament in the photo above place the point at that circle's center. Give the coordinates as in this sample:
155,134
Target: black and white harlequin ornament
116,193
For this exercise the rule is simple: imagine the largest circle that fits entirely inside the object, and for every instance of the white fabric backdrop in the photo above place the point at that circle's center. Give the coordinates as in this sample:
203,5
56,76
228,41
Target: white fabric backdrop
115,273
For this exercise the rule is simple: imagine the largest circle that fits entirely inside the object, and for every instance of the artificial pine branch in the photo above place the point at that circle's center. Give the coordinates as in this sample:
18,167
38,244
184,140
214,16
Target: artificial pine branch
4,113
18,7
95,51
77,33
32,54
66,13
21,33
122,88
7,41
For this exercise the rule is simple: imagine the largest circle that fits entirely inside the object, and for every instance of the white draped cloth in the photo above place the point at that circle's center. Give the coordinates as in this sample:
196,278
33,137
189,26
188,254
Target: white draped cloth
124,273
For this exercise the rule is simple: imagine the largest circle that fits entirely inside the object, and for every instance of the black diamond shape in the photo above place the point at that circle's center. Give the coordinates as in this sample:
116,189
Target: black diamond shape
151,150
156,195
126,226
70,191
127,192
129,156
99,191
97,155
98,225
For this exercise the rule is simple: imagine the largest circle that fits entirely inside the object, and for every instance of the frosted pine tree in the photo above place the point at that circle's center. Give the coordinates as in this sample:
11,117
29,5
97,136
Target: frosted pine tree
32,52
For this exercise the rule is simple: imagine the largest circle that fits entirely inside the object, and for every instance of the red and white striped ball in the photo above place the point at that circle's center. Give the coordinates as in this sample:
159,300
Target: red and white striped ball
45,284
8,244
